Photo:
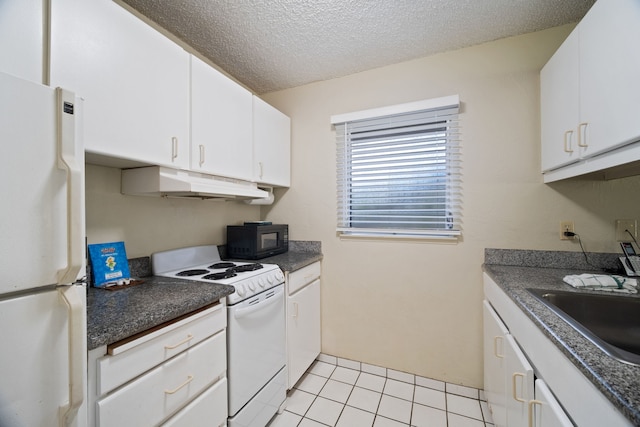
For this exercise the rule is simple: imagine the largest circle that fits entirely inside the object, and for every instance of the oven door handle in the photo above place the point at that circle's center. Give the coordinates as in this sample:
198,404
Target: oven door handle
243,312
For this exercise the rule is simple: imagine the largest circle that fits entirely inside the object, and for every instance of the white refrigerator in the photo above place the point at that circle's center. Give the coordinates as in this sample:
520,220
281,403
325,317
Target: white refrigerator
42,257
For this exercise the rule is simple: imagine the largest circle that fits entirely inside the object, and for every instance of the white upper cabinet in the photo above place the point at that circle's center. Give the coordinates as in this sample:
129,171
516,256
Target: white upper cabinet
22,39
134,80
559,96
590,92
221,125
271,145
609,75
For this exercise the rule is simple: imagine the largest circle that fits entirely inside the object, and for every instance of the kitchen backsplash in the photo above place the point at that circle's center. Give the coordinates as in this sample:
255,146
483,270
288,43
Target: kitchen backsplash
552,259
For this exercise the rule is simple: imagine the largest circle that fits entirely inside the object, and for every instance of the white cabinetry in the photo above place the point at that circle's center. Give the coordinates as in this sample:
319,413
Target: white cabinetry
559,95
221,114
494,364
566,391
22,39
545,410
509,383
134,81
589,92
303,320
271,145
177,371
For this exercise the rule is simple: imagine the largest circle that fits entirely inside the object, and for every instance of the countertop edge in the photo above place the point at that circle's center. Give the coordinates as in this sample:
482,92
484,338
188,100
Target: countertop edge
119,314
612,377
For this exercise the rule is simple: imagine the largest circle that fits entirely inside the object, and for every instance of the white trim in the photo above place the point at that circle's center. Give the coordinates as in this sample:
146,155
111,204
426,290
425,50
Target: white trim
428,104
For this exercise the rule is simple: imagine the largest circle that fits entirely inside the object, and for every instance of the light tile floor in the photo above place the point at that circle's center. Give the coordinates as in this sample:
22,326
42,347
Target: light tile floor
344,393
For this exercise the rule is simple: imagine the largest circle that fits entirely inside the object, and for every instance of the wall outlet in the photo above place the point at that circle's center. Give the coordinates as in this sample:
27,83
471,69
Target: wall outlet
622,225
566,226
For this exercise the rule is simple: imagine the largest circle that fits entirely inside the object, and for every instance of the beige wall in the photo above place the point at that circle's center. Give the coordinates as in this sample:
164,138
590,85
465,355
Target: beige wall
416,306
150,224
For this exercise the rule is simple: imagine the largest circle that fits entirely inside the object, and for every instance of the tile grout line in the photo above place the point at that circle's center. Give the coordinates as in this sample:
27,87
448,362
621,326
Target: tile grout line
459,392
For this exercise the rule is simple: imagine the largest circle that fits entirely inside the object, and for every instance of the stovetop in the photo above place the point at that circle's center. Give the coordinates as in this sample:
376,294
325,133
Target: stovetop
203,263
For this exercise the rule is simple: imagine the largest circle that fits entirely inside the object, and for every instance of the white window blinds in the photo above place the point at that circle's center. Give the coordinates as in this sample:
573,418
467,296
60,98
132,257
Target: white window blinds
398,174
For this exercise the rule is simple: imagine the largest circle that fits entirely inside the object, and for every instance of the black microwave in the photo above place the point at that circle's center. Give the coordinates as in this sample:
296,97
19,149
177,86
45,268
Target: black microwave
257,240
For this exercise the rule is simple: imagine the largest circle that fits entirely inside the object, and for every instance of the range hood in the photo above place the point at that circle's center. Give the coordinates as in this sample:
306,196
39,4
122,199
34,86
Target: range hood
167,182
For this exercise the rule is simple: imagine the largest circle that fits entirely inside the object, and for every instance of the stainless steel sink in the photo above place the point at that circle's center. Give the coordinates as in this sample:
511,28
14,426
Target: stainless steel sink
611,322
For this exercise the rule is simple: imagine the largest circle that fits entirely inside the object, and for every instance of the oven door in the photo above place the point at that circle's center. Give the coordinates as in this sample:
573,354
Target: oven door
256,345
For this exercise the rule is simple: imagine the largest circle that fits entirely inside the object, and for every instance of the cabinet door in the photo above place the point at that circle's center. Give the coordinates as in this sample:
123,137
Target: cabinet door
163,391
135,81
303,330
22,39
559,98
207,410
609,70
221,136
519,384
271,145
494,364
545,409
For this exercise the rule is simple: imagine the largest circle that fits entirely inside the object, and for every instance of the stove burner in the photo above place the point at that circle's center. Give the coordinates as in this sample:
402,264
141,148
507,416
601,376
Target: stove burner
218,276
222,265
196,272
246,267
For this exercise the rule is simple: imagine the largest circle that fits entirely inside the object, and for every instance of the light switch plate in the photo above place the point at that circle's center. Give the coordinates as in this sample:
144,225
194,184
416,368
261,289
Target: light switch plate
626,224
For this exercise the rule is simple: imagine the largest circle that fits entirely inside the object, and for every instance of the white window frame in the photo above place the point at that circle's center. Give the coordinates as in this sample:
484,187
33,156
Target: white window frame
447,222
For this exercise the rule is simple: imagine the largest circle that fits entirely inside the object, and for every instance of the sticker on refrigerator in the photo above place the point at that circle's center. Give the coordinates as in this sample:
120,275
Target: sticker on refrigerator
109,265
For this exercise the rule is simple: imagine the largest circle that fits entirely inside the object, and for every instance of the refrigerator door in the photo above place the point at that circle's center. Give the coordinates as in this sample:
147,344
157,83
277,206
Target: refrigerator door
40,384
42,166
42,315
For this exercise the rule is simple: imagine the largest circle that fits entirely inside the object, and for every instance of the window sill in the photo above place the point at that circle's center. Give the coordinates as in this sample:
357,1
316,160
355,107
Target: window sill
449,238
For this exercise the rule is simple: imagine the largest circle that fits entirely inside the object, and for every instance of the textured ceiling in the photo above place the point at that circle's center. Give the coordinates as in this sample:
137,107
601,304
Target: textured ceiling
270,45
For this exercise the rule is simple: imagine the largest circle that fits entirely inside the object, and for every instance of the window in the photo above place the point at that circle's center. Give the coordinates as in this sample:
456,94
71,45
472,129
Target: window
399,170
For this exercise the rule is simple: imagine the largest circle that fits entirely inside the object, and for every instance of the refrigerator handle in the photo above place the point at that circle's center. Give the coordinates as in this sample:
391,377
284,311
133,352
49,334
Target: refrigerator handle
73,297
67,160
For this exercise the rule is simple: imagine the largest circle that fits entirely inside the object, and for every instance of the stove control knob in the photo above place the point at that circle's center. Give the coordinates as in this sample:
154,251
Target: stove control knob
271,279
240,289
261,282
279,275
252,286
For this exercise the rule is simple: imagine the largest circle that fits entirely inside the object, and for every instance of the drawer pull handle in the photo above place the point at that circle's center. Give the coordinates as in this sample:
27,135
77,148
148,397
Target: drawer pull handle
184,341
532,410
495,346
513,377
295,311
175,390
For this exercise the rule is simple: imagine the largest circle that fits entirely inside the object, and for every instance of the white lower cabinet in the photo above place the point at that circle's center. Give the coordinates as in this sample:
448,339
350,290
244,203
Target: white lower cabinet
545,410
209,407
519,378
303,320
494,364
175,374
528,380
509,382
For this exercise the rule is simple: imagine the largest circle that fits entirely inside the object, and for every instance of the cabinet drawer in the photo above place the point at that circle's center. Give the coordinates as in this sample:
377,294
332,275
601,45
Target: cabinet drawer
163,391
208,409
300,278
127,360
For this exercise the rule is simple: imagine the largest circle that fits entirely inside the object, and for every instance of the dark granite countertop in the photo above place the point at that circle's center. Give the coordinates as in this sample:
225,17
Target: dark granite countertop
115,315
293,260
619,382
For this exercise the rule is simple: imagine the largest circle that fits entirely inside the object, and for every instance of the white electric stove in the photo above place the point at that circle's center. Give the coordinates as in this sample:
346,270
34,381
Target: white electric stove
203,263
256,352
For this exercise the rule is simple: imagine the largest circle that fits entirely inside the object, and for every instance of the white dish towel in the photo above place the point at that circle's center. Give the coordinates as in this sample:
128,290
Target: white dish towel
603,282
